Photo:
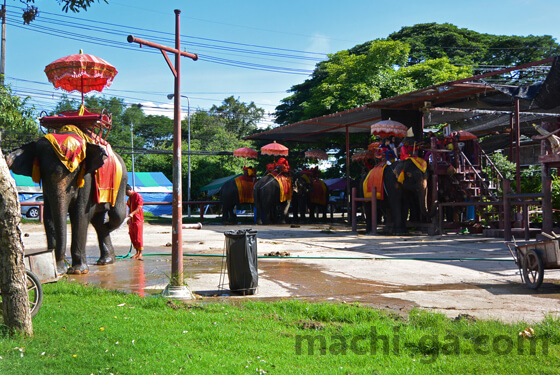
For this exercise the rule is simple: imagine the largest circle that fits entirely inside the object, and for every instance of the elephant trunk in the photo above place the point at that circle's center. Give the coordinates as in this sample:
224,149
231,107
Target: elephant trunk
423,200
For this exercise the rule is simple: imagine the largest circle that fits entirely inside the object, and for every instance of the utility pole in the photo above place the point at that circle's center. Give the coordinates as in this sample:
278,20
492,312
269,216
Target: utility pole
175,289
3,45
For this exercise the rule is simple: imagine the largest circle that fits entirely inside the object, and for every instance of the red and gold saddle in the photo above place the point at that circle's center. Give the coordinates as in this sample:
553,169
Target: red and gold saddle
374,178
318,192
285,183
245,185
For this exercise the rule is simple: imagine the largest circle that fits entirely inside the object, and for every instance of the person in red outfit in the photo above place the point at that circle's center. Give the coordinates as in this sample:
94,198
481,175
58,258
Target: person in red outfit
283,166
135,221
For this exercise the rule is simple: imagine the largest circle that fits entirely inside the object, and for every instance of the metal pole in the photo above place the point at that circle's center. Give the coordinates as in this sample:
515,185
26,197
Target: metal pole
189,154
170,96
132,153
177,218
3,45
175,288
138,106
517,147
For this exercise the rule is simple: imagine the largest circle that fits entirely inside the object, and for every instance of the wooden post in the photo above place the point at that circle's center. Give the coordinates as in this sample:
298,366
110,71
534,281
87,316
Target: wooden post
354,218
547,222
374,210
507,211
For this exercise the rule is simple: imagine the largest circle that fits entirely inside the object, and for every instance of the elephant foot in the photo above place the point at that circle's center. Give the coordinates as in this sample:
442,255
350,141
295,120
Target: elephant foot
105,260
78,270
61,267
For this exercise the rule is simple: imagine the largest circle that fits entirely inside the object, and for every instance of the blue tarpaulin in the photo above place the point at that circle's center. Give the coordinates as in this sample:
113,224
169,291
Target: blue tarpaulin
153,186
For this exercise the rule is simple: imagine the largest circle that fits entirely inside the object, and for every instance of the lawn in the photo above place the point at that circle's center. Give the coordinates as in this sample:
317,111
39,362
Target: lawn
86,330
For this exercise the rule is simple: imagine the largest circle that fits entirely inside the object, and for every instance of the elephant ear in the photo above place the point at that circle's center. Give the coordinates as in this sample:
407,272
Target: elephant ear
398,168
95,157
21,160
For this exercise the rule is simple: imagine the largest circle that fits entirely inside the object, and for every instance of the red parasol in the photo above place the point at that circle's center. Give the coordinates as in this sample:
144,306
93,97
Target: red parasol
245,152
464,135
316,154
388,128
274,149
80,72
363,155
373,146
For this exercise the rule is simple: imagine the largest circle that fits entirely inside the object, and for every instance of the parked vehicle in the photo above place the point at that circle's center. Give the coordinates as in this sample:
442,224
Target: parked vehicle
31,211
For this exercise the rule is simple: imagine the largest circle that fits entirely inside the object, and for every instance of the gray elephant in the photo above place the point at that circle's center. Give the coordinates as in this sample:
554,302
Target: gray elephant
310,194
405,187
64,197
272,200
231,197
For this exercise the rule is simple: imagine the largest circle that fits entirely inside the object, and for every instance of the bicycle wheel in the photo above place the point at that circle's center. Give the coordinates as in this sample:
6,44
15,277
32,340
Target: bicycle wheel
35,291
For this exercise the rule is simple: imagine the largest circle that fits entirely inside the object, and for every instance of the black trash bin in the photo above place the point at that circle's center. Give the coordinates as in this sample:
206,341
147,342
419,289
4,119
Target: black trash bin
241,259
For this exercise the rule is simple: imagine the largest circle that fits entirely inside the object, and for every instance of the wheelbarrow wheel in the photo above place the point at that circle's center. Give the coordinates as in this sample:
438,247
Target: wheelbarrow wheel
35,291
533,269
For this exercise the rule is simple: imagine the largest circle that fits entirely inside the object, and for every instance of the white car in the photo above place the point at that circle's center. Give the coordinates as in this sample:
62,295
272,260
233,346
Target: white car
31,211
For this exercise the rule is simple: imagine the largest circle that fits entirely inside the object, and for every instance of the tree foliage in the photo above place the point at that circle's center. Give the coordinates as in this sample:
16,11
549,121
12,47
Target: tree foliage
239,118
463,46
410,59
17,122
352,78
75,6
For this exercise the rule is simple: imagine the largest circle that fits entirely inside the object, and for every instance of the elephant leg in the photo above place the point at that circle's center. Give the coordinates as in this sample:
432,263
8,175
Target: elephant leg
79,222
225,215
106,249
56,236
285,212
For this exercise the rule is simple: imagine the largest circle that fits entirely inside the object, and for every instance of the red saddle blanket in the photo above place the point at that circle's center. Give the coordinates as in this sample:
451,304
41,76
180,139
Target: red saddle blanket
318,192
374,178
285,183
245,186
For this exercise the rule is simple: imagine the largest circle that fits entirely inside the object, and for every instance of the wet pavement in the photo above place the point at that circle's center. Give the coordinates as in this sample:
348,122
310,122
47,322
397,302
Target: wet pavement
331,263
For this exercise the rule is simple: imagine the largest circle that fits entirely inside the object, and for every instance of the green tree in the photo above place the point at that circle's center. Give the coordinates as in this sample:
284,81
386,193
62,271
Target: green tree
463,46
17,123
75,6
237,117
349,79
156,131
412,58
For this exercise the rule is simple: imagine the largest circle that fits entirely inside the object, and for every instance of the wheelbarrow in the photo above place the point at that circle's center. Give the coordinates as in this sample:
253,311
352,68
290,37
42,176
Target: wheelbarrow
533,258
40,267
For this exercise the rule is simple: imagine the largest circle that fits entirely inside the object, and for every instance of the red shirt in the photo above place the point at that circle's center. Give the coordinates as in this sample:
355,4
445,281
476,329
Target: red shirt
135,201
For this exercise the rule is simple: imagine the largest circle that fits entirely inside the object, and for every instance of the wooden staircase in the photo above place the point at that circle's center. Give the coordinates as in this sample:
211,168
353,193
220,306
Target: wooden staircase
470,176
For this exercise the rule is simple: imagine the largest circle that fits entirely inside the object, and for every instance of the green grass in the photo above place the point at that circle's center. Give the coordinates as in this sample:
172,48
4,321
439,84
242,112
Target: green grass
87,330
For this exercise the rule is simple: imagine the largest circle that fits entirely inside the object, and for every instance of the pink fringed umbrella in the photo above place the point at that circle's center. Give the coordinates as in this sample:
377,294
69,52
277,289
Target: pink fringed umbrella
363,155
245,152
316,154
373,146
274,149
80,72
465,135
388,128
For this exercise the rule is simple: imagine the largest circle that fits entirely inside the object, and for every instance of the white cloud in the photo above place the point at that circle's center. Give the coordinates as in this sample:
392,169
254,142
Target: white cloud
150,108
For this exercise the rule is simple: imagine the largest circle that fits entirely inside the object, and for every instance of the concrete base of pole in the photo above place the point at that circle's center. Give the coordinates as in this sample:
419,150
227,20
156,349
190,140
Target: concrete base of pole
177,292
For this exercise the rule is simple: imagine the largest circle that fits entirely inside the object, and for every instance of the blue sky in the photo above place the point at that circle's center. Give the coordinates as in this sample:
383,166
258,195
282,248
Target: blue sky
277,43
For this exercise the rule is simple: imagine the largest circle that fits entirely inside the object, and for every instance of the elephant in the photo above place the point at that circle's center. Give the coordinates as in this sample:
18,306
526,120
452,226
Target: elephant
405,187
301,187
309,194
63,197
230,197
271,204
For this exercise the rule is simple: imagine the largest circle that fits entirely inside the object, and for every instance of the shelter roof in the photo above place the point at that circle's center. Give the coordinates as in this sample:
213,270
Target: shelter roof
477,104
